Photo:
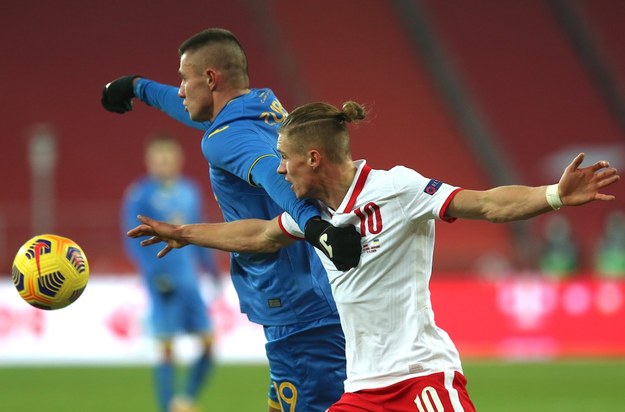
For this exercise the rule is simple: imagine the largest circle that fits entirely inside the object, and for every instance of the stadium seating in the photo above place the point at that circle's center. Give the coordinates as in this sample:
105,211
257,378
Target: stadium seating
537,98
513,59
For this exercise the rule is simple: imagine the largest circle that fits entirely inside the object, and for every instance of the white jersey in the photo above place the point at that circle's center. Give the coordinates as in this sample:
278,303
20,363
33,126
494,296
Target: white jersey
384,303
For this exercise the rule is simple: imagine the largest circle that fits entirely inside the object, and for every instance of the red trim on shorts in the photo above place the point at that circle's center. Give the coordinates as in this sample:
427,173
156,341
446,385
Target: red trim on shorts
446,205
360,184
286,232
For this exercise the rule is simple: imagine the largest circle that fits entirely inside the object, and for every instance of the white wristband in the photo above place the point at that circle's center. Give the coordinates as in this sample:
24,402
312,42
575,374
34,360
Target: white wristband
553,197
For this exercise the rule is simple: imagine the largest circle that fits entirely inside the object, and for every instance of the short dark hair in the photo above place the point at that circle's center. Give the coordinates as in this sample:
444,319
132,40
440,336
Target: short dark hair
206,37
224,51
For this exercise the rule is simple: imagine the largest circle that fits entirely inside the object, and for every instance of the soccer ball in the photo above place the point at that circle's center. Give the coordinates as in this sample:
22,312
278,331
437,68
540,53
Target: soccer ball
50,271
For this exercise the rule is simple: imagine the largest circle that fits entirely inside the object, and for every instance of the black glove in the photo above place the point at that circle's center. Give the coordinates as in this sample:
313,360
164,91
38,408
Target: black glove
117,95
340,244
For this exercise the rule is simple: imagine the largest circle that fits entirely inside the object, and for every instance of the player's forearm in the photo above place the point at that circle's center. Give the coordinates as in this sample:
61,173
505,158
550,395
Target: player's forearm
165,98
243,236
510,203
501,204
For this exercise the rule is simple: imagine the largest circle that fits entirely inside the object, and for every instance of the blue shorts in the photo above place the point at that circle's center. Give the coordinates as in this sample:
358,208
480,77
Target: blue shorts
181,310
307,364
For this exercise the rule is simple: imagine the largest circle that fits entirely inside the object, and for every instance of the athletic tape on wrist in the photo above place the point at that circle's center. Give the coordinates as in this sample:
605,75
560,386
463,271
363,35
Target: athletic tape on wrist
553,197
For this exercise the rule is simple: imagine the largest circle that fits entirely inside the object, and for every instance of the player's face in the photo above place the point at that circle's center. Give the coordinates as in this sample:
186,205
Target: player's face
296,170
198,100
164,162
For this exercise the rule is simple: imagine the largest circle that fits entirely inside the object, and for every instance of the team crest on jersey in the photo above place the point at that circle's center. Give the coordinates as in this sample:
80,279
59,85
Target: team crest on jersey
432,186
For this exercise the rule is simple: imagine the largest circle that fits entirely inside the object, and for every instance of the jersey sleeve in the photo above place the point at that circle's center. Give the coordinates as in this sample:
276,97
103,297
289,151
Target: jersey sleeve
256,161
289,226
265,174
422,198
166,99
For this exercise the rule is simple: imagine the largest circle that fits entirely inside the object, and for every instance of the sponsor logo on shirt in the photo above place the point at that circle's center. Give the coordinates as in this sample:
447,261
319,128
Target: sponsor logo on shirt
274,303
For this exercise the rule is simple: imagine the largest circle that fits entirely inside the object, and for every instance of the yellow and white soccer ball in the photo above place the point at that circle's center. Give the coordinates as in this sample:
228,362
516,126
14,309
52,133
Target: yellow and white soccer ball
50,271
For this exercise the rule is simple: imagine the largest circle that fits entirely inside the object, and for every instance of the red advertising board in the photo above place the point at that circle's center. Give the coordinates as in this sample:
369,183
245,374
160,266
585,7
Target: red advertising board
532,316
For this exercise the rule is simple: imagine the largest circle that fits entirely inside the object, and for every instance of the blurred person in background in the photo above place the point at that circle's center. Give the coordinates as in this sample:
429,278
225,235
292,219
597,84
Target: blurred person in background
559,252
287,292
172,283
398,359
610,252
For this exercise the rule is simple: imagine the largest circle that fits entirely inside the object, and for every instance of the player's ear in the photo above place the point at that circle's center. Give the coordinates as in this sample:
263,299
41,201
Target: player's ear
211,79
314,158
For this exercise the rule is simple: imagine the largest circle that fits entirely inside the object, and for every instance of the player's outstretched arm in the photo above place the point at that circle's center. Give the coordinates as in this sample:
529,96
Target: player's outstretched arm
577,186
243,236
117,97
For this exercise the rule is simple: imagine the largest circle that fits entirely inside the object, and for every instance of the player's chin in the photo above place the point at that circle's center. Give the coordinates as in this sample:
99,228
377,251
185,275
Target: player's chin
194,114
297,193
300,193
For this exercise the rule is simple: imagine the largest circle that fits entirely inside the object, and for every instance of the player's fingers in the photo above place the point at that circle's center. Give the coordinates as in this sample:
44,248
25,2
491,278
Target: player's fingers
141,230
133,232
601,196
600,165
164,251
145,220
608,180
150,241
577,161
606,173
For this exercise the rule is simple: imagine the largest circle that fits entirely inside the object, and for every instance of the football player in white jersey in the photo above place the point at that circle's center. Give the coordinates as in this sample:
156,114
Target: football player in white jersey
397,357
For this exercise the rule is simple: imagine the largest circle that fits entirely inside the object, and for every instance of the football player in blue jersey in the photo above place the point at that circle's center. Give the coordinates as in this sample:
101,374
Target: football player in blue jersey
171,283
288,291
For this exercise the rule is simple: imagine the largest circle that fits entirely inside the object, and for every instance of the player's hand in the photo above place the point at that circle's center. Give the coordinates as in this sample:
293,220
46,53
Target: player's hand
340,244
117,95
158,232
582,185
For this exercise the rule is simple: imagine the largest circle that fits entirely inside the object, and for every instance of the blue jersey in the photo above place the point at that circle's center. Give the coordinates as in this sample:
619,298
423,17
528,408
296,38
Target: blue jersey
282,288
178,202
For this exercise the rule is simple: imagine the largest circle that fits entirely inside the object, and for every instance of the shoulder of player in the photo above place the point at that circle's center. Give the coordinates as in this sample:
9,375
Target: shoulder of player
398,179
396,173
188,183
141,184
233,128
138,189
247,106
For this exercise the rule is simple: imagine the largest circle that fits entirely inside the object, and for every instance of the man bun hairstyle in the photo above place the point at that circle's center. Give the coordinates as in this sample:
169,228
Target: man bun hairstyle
352,112
324,126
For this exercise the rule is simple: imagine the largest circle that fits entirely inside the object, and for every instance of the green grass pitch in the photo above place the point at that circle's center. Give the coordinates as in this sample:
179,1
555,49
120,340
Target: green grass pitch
571,386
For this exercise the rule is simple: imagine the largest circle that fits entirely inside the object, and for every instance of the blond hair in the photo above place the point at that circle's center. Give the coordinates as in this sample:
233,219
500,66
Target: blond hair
324,126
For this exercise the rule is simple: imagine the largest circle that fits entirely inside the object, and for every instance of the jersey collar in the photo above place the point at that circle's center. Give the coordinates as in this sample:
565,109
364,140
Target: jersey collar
356,187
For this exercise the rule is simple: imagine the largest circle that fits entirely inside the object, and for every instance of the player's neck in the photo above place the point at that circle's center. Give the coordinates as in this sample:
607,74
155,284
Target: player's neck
222,98
339,179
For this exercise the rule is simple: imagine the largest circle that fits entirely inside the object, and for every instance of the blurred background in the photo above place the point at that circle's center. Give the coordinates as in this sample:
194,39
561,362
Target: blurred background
476,94
473,93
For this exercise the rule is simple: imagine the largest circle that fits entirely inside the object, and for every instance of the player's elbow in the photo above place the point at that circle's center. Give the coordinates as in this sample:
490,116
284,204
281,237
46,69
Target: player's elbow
271,246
